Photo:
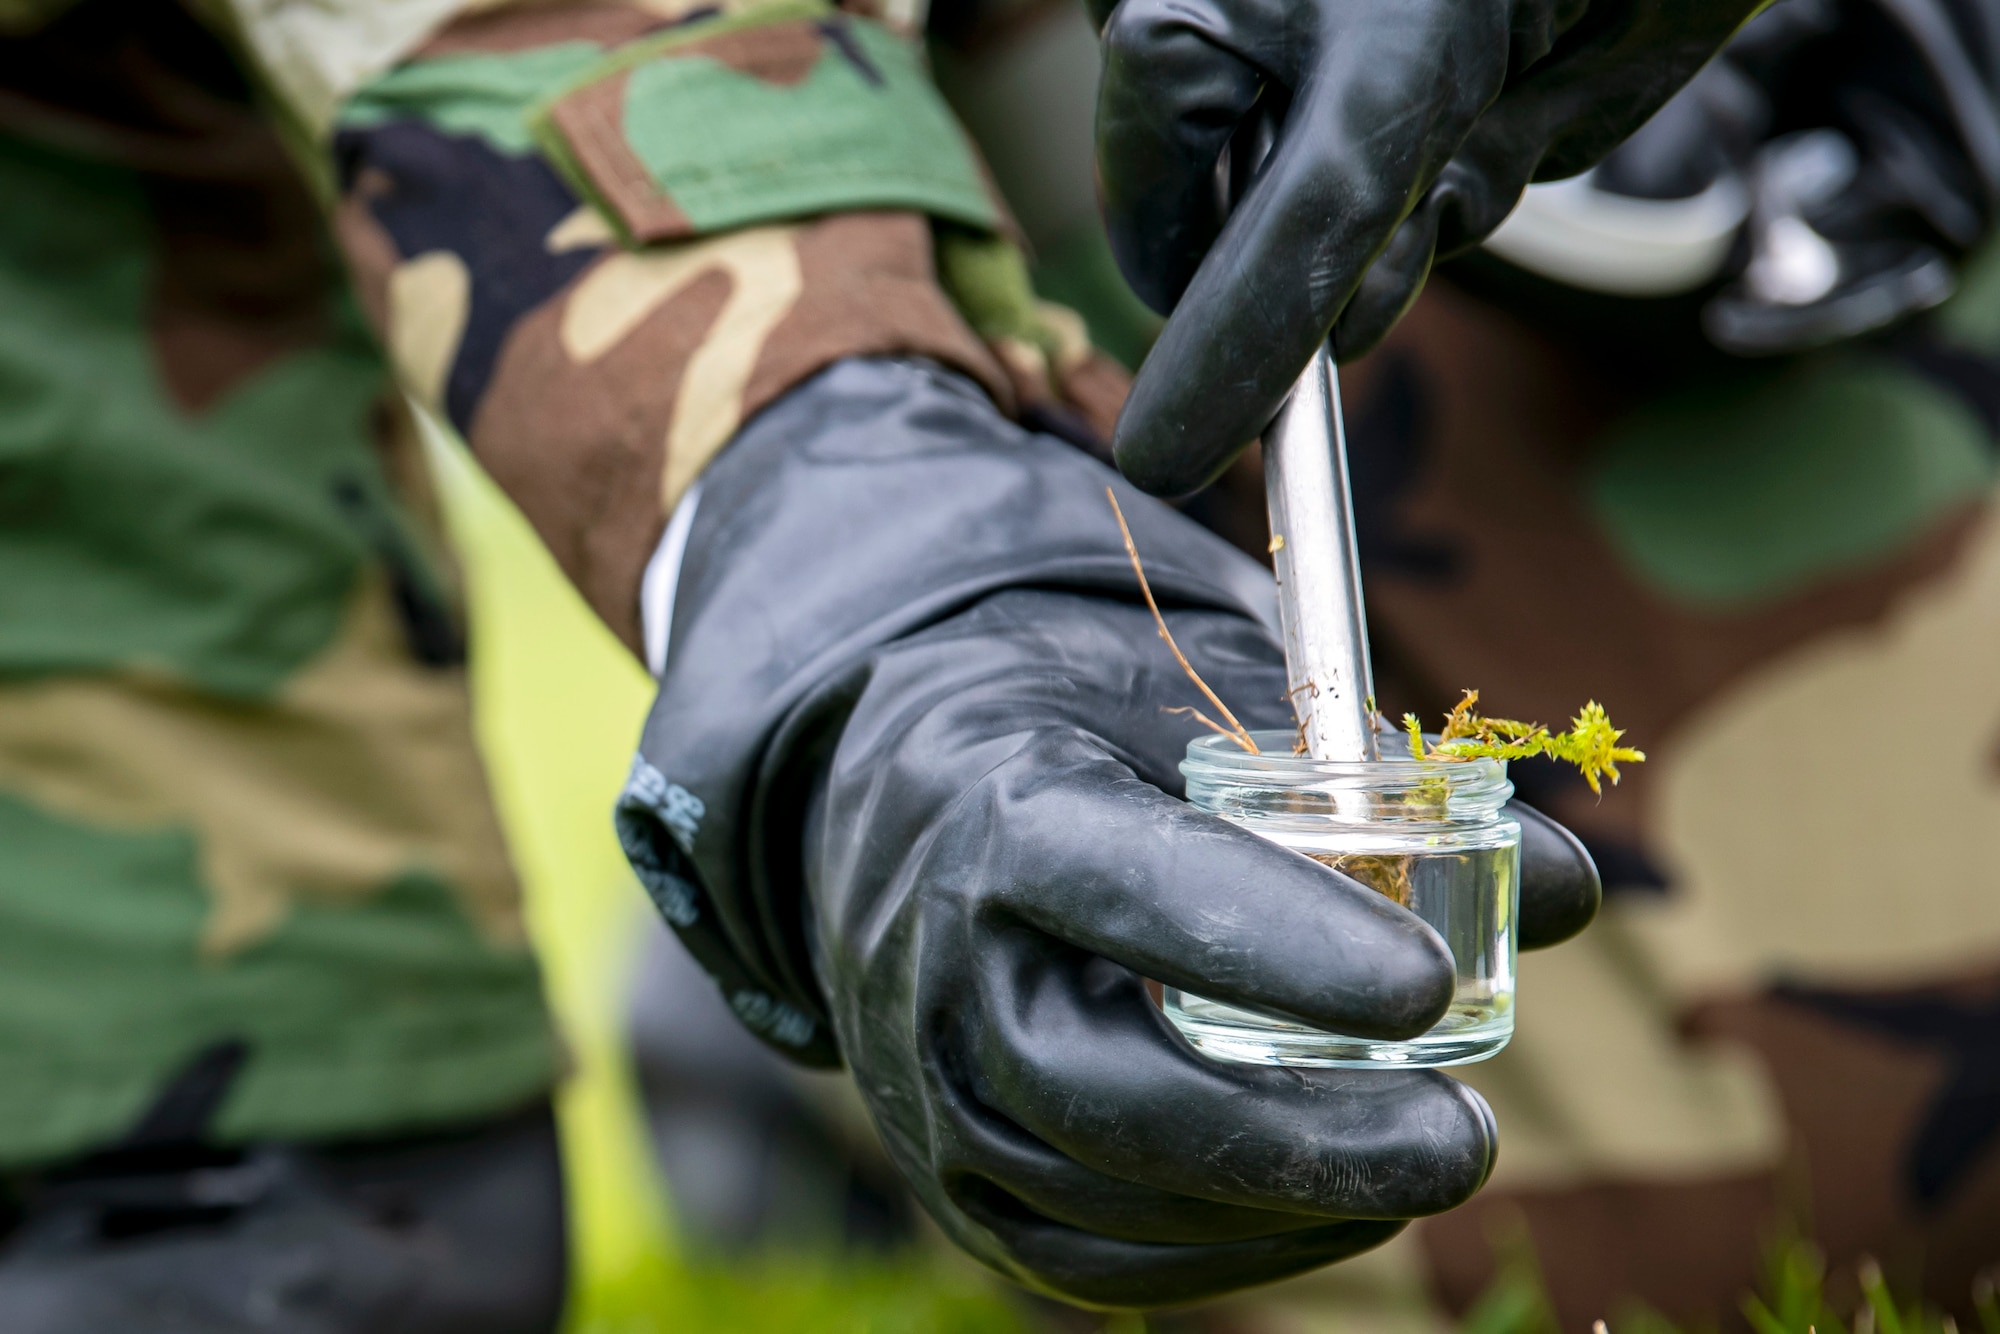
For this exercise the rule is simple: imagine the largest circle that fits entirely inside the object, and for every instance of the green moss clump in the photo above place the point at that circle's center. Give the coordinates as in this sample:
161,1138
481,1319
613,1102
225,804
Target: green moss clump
1591,743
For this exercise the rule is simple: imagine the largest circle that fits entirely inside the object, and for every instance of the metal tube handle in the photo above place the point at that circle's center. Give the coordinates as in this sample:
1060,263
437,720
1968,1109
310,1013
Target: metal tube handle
1318,567
1312,518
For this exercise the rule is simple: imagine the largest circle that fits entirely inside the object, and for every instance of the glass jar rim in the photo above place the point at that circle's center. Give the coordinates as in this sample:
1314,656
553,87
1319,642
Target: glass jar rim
1221,758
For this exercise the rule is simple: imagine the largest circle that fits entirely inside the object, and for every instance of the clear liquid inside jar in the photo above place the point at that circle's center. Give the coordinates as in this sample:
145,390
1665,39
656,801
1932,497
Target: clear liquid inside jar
1430,834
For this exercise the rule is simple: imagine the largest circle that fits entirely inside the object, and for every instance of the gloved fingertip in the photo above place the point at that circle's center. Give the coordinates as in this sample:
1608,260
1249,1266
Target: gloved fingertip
1360,331
1157,472
1446,1144
1428,983
1159,458
1139,464
1479,1142
1398,981
1377,307
1560,886
1156,273
1492,1126
1388,290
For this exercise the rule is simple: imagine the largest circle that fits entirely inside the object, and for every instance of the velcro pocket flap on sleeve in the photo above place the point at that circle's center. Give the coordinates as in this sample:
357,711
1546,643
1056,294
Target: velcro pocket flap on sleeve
787,111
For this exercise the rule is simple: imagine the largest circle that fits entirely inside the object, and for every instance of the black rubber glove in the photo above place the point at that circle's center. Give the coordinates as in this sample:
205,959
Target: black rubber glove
1885,174
910,793
1408,132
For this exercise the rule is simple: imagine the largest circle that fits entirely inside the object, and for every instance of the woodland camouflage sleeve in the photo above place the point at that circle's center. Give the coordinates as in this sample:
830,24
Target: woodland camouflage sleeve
596,237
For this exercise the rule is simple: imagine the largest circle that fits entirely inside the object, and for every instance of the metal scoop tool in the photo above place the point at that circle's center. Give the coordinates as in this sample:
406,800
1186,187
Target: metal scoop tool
1312,532
1319,573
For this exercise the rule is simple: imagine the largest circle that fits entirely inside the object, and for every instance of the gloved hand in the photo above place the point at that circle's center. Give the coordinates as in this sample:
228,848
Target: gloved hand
910,792
1408,132
1885,175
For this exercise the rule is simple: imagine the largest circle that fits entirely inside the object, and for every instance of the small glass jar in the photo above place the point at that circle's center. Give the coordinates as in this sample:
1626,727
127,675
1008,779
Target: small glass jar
1430,834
